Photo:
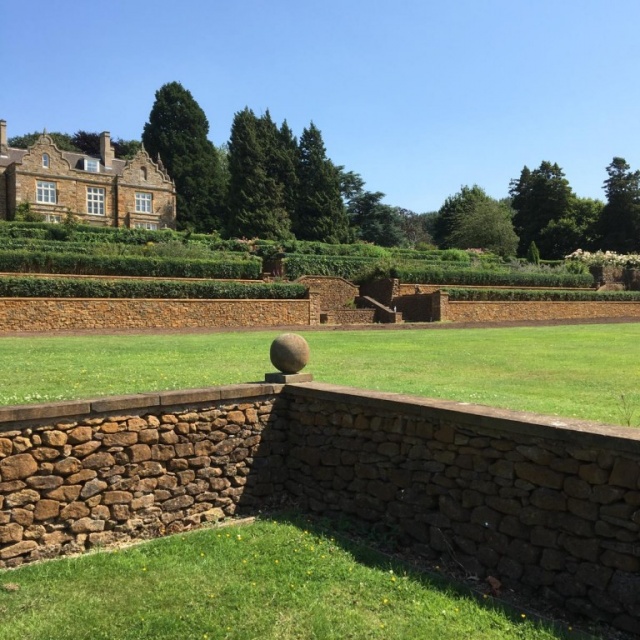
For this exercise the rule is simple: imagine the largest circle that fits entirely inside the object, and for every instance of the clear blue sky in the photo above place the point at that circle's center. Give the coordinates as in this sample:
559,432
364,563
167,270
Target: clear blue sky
419,97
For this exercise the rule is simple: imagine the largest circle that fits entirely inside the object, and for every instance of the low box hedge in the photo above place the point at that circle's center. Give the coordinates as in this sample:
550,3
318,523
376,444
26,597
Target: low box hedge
489,277
75,263
35,287
535,295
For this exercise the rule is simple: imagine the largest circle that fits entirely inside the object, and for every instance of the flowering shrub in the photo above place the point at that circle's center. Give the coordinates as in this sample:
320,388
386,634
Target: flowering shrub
605,259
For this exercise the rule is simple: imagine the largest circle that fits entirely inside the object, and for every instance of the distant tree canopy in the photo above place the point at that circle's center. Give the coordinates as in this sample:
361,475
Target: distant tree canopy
472,219
79,142
264,182
620,220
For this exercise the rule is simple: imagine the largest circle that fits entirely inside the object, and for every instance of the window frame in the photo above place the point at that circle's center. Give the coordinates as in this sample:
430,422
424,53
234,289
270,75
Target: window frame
92,165
95,201
46,192
144,202
46,161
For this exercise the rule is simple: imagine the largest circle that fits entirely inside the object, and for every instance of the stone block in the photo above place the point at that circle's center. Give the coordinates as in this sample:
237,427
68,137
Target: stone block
46,509
17,467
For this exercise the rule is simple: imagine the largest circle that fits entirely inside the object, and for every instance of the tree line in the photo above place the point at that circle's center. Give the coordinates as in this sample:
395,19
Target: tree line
267,183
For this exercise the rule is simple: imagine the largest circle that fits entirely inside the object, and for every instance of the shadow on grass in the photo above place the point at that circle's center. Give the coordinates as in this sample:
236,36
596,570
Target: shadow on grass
378,550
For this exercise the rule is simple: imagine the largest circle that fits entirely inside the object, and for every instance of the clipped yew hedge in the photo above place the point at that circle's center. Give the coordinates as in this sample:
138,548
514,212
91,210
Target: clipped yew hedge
82,264
34,287
348,267
488,277
536,295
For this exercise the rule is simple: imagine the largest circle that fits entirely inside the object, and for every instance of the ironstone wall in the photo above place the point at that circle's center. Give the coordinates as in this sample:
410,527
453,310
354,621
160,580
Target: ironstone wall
546,505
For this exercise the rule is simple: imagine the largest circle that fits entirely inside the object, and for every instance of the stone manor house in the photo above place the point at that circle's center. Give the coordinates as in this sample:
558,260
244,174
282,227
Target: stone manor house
105,190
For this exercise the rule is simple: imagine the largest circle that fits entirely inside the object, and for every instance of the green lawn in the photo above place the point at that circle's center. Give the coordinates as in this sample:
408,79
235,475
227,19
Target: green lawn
578,371
269,580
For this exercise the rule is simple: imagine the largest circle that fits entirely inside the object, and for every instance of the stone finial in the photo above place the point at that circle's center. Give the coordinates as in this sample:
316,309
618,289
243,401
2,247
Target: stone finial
289,354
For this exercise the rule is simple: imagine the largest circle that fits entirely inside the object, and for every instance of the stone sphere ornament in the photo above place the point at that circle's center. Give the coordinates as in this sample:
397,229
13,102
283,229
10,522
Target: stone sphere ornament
289,353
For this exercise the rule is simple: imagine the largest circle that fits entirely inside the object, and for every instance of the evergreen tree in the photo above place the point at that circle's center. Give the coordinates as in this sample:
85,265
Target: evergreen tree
256,199
320,213
177,133
620,220
539,197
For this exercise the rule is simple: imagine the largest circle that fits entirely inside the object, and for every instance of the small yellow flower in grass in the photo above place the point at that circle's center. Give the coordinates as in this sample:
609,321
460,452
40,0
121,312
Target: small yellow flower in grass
228,535
385,601
485,596
244,562
393,578
201,554
323,556
144,568
277,561
239,537
523,616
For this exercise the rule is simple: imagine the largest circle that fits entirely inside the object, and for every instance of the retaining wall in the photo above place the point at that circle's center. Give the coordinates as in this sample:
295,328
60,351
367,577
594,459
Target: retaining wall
485,311
548,506
79,474
55,314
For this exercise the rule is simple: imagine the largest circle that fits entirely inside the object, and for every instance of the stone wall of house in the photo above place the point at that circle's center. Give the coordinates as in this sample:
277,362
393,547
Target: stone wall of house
69,314
482,311
77,475
71,184
546,506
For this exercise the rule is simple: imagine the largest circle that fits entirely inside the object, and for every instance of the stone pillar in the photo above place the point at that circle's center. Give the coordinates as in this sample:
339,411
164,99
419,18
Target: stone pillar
440,305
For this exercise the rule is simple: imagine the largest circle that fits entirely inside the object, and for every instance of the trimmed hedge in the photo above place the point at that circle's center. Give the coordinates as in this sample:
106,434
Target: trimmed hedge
297,265
34,287
481,277
535,295
82,264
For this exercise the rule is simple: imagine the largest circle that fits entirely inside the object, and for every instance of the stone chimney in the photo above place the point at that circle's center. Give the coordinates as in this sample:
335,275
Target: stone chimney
4,147
106,150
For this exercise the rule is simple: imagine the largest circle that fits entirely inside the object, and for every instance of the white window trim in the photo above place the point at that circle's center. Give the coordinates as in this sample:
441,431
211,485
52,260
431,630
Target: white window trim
46,192
45,160
95,200
92,162
144,202
149,226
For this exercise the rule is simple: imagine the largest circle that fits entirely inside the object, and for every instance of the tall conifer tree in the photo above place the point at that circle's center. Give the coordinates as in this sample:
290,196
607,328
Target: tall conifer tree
320,213
256,197
177,132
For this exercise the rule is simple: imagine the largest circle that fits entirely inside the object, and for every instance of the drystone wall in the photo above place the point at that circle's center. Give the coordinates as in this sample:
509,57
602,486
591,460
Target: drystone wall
333,293
348,316
70,314
545,506
486,311
81,474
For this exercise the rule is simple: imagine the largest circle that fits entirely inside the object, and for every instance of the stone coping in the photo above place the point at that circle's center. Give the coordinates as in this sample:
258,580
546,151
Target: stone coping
110,404
581,432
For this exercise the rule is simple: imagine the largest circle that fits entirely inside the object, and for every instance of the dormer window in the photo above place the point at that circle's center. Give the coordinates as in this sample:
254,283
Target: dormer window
92,165
45,160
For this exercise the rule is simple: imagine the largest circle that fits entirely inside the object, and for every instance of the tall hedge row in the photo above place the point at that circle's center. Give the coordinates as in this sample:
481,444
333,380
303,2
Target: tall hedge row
75,263
34,287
